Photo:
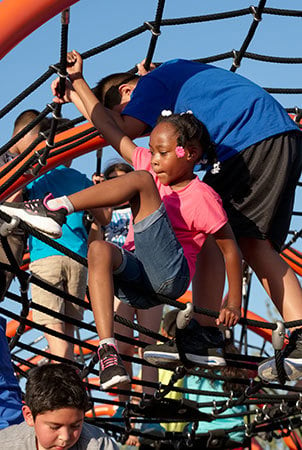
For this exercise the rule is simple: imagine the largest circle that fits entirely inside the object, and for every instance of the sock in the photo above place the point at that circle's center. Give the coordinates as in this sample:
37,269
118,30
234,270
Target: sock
61,202
109,341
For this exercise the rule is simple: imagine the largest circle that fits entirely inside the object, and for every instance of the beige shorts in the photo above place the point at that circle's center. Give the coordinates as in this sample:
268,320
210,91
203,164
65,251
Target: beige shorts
63,273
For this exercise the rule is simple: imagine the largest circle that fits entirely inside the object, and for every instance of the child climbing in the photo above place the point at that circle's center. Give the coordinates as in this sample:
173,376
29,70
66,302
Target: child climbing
173,213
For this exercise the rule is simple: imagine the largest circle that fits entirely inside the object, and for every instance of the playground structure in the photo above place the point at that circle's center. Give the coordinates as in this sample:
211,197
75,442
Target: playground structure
277,415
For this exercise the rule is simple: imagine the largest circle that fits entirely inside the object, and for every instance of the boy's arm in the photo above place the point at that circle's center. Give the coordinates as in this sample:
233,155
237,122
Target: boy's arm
131,126
109,123
230,313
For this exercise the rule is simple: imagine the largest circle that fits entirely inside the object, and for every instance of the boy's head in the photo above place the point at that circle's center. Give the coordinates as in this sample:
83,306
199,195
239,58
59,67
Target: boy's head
114,91
55,404
25,118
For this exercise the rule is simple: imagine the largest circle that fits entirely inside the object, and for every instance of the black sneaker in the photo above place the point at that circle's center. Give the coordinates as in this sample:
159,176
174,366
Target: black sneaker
200,345
292,360
37,214
112,370
165,355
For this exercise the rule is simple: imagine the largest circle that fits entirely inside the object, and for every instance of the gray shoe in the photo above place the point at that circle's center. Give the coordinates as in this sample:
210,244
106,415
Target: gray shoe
292,360
200,345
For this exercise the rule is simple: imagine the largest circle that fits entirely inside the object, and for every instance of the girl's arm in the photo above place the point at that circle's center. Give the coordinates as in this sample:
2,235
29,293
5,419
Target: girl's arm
230,312
88,104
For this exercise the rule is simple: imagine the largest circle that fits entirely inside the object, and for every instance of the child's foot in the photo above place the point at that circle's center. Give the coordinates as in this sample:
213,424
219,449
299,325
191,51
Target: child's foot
292,360
200,345
112,370
37,214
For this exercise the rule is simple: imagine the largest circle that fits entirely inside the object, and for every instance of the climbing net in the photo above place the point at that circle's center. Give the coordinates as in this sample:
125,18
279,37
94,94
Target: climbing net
272,410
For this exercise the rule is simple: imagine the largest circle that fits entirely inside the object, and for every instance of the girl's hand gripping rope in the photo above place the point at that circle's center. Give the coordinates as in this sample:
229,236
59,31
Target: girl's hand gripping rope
229,316
75,71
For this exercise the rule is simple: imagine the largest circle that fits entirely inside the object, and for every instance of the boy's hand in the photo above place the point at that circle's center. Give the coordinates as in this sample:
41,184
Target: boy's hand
141,69
75,71
229,316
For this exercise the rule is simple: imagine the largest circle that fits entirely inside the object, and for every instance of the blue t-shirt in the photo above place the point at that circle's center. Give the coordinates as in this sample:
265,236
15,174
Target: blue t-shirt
221,423
60,181
10,392
236,111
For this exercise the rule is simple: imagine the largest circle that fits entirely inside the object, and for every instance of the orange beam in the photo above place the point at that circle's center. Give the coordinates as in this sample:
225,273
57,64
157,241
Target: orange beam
53,161
19,18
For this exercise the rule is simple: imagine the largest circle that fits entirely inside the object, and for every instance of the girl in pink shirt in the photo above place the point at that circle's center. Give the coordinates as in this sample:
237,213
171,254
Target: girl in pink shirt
169,225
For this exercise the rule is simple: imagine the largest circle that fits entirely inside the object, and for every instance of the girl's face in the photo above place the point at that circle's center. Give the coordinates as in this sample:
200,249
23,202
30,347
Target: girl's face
171,169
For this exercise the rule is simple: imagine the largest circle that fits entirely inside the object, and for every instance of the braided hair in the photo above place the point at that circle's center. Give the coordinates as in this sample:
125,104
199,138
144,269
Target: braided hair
190,130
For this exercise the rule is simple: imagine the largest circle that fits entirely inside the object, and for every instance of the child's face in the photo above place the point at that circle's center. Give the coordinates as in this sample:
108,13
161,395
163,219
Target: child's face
170,169
56,430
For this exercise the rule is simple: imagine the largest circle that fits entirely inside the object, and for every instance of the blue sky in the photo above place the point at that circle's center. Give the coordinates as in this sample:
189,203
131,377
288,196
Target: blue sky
94,22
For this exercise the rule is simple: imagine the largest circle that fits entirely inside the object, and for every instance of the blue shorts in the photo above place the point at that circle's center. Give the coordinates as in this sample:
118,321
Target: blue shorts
158,265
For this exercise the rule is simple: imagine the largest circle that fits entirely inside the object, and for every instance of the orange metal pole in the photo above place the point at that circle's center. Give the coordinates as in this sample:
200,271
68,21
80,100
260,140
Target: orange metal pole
19,18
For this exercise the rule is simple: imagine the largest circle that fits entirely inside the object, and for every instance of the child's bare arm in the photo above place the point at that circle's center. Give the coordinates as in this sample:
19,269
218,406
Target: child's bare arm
109,123
230,313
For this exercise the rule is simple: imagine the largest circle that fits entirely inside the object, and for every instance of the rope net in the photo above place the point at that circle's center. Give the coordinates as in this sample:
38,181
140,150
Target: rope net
270,410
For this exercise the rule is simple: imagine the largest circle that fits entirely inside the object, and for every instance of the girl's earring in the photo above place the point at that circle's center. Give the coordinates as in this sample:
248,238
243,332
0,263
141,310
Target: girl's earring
204,161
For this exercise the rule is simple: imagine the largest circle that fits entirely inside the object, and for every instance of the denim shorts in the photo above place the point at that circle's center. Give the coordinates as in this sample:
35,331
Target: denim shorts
158,265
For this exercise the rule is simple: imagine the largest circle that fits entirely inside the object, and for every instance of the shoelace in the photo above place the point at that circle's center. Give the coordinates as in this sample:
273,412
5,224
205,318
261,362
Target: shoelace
108,360
31,204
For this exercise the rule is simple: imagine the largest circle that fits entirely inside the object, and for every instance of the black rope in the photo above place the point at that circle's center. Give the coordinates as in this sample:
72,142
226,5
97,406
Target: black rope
155,30
62,72
257,12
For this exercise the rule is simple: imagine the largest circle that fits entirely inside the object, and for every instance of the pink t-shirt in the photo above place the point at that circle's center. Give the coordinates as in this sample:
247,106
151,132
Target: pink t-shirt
194,211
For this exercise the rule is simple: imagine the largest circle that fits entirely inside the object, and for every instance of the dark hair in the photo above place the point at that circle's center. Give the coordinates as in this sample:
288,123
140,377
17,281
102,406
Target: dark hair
44,125
55,386
123,167
190,130
107,89
25,118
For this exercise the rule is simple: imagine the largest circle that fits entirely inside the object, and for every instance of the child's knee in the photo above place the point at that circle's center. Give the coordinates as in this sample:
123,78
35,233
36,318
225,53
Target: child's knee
98,251
145,179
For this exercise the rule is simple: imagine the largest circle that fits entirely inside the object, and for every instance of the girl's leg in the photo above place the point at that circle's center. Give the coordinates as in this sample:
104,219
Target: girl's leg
136,187
208,282
103,259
